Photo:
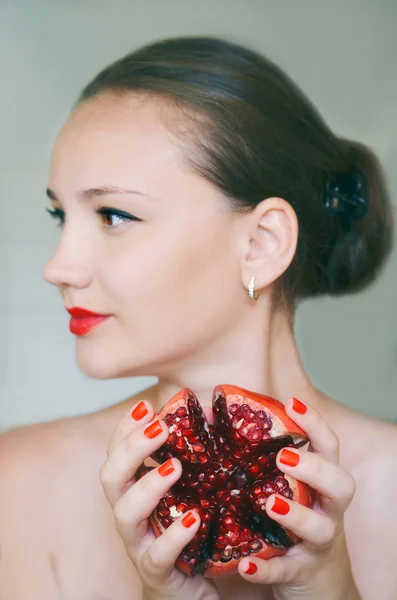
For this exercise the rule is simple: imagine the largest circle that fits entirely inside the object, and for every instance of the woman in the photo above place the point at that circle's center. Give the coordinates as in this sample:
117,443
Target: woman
201,196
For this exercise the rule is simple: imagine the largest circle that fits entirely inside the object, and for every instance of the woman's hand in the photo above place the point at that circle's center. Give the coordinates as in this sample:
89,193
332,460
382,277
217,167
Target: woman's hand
319,566
135,438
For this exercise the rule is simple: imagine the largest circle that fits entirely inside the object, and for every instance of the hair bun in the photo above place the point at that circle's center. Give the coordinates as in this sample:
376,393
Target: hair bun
363,204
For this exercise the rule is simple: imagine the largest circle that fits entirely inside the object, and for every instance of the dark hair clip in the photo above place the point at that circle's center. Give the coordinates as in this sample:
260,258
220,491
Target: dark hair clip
345,197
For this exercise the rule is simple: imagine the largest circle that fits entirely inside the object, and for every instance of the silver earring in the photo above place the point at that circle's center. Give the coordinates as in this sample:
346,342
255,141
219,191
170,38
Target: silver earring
251,289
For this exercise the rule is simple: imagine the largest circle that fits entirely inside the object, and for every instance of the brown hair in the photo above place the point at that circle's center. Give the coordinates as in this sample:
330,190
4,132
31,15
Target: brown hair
246,127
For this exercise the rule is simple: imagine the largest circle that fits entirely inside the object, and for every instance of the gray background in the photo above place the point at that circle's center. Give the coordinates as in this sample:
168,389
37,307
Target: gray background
341,53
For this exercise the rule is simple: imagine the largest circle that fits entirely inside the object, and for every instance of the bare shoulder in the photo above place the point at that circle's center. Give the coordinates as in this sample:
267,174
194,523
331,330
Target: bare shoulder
28,472
38,463
377,440
369,452
386,438
26,450
44,449
377,434
53,507
363,438
63,447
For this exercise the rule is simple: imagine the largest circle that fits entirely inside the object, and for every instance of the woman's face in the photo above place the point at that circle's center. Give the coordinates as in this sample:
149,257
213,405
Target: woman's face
171,280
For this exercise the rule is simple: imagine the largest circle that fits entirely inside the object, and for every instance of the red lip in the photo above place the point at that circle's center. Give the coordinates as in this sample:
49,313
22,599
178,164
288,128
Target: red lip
80,313
83,320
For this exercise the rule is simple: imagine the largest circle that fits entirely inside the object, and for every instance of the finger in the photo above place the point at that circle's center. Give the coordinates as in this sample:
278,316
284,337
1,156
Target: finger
315,528
136,416
336,485
158,561
121,465
279,569
322,438
139,501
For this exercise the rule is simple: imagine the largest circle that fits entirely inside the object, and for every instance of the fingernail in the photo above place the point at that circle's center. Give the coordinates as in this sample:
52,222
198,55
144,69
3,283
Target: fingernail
153,430
289,458
280,506
299,407
166,468
252,568
188,520
139,411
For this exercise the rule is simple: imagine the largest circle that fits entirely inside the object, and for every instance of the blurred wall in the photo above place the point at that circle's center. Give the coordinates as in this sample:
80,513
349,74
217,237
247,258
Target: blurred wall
341,53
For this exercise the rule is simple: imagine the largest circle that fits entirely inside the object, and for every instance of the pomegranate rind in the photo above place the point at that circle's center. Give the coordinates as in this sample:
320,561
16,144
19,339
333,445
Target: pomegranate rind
176,401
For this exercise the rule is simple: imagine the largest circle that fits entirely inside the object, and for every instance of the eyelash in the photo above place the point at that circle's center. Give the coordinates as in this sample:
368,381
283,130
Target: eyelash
59,214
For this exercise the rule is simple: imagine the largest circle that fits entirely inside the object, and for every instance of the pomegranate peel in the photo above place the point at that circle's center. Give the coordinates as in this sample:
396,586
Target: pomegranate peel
228,472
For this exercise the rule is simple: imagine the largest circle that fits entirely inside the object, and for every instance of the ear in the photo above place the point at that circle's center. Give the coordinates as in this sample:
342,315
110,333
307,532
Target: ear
269,242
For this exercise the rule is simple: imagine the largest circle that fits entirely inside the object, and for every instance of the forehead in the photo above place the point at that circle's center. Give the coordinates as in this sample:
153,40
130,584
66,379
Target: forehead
123,140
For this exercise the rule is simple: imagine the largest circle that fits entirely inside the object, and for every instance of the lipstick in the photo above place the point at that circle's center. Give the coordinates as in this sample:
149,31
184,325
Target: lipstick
84,320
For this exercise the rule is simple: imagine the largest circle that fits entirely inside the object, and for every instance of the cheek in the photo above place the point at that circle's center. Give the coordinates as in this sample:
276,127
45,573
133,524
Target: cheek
176,286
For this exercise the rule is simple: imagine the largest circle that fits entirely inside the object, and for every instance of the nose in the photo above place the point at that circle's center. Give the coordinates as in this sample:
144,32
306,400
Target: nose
69,265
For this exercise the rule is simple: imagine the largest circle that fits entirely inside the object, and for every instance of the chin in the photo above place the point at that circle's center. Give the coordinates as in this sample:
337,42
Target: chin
96,363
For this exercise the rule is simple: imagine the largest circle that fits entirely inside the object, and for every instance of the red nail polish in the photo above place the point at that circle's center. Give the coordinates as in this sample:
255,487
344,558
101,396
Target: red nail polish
166,468
188,520
252,568
280,506
153,430
289,458
139,411
299,407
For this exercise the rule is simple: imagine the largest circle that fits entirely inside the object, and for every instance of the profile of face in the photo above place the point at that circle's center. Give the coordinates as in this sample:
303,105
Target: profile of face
170,277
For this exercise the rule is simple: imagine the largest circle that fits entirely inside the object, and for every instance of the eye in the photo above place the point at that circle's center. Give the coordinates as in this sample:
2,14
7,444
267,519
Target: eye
59,214
111,212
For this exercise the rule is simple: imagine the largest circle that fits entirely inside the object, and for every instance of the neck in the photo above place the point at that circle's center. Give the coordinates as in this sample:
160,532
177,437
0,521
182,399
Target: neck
243,358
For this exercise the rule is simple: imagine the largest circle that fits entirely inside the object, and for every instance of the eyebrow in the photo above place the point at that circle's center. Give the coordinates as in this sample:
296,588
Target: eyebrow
100,191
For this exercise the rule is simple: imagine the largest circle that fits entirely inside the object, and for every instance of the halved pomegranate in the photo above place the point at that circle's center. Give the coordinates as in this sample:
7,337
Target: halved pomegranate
229,470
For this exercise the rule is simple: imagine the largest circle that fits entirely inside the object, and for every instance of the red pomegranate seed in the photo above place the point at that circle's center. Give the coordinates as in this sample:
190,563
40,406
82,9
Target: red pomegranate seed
180,444
198,448
164,512
222,541
229,523
227,464
254,469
